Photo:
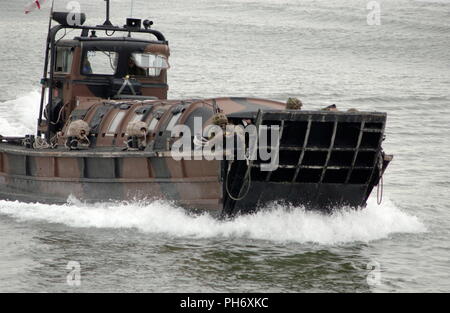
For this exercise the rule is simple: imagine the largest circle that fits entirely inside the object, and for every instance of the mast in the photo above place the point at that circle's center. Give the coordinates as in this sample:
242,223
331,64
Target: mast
107,22
44,82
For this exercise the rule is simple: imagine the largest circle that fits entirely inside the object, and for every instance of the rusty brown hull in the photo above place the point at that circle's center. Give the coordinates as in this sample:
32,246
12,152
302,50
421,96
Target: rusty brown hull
52,176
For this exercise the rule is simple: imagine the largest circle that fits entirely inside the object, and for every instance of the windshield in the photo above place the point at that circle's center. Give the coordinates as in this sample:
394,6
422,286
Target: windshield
64,57
151,63
99,62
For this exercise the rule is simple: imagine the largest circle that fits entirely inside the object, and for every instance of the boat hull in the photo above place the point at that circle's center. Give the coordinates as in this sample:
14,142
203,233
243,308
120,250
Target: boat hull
41,177
51,176
324,160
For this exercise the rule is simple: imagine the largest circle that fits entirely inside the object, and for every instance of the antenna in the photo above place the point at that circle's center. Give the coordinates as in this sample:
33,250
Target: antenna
107,22
44,80
132,5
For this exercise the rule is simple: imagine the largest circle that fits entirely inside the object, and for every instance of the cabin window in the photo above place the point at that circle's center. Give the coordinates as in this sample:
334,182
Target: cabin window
97,62
147,64
64,57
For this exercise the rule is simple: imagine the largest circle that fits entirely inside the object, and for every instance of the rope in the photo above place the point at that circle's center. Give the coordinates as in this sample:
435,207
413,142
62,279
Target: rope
249,170
54,139
249,181
41,143
59,115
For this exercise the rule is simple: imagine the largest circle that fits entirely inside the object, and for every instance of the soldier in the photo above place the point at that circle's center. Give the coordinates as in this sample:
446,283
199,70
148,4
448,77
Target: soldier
133,69
332,107
221,120
87,69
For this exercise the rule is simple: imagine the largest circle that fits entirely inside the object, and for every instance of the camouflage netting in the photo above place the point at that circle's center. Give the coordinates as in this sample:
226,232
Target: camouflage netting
79,129
138,129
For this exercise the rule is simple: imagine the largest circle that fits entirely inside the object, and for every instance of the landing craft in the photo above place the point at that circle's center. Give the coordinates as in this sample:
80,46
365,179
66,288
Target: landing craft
105,132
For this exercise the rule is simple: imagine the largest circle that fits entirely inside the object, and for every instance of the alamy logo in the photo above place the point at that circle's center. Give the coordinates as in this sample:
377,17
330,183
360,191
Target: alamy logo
374,275
74,277
74,16
374,15
372,271
227,142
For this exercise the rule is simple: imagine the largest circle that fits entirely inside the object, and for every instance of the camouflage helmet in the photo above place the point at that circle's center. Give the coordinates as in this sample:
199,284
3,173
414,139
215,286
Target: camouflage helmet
220,119
293,104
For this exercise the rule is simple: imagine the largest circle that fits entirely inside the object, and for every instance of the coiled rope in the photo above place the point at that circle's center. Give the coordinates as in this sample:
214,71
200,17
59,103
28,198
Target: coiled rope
41,143
247,178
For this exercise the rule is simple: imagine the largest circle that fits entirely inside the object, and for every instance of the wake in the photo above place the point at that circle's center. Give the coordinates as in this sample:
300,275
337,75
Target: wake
18,117
277,223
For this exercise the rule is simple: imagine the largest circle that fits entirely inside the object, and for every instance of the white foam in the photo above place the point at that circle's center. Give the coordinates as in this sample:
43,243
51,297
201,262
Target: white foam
277,224
18,117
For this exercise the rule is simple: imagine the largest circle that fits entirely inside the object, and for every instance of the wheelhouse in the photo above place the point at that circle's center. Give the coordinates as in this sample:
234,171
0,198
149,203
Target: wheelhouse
103,61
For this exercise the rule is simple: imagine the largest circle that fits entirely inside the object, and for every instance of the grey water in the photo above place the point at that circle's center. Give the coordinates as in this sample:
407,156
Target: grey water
323,52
